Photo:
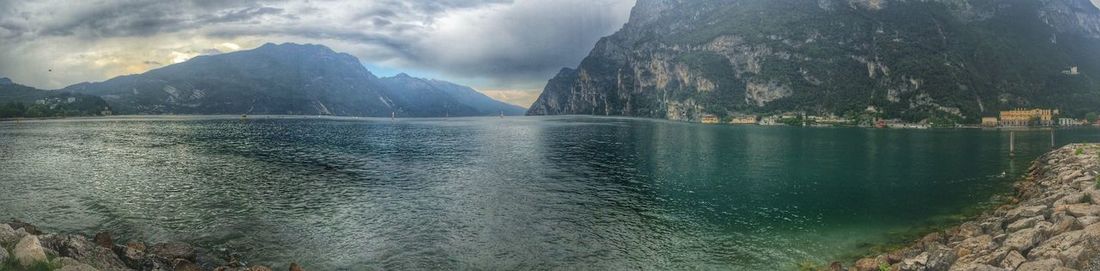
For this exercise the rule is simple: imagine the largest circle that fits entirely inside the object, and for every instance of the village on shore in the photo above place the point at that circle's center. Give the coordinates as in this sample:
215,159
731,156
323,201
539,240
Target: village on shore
1015,118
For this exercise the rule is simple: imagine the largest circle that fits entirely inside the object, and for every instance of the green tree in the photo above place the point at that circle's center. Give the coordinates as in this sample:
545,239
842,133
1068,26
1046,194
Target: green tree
1091,117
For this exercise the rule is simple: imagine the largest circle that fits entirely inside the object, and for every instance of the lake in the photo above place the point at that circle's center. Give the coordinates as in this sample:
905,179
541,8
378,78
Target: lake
514,193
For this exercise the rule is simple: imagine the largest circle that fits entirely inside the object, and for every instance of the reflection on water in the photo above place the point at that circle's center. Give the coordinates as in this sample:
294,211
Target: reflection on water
490,193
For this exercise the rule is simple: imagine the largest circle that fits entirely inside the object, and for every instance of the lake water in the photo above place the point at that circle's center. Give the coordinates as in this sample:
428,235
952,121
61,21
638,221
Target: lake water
490,193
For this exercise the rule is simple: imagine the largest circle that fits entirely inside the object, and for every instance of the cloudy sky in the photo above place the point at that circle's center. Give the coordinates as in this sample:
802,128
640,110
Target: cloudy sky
505,48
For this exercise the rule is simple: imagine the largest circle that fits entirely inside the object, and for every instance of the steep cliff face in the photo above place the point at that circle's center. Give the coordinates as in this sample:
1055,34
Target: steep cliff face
956,59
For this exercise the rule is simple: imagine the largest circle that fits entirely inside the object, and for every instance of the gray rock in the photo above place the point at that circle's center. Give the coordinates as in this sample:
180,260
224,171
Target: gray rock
1083,210
940,258
29,251
131,256
173,250
78,267
976,267
1026,211
1051,248
70,264
1064,223
975,245
1088,220
63,261
79,248
1023,240
4,255
1076,256
27,227
1012,260
7,236
1023,223
1041,265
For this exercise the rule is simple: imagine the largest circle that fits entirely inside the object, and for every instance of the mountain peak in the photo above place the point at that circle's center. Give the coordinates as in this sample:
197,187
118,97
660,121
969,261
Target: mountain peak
290,46
403,76
6,81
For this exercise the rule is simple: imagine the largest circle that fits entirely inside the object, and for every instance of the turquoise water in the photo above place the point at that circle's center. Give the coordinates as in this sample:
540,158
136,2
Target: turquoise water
514,193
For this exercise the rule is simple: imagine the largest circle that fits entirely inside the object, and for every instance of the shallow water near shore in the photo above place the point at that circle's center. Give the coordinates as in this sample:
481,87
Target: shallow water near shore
512,193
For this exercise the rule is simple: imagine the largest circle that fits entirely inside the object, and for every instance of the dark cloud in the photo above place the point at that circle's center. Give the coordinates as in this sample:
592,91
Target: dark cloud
511,43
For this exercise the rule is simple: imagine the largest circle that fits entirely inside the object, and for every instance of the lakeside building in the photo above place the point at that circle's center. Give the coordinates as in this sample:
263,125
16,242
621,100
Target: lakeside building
749,119
710,119
831,119
769,121
1028,117
990,122
1071,122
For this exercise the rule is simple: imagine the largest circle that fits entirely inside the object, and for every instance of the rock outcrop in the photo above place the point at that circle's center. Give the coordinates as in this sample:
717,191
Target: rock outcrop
71,252
1053,226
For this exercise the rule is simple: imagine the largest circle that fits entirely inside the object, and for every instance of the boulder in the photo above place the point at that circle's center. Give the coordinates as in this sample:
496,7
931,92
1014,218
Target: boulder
7,236
63,261
1076,256
20,233
1052,247
1023,240
70,264
78,267
967,230
4,255
1023,223
1088,220
296,267
1012,260
916,263
79,248
974,245
27,227
103,239
1040,265
1063,223
976,267
136,246
180,264
1025,212
172,251
131,257
940,258
29,251
265,268
1083,210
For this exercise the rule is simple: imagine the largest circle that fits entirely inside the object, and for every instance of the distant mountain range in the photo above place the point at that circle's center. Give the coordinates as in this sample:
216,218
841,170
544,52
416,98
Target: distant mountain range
291,79
932,59
22,101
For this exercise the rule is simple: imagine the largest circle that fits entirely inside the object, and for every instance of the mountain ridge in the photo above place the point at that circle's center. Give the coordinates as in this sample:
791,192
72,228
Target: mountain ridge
950,59
287,78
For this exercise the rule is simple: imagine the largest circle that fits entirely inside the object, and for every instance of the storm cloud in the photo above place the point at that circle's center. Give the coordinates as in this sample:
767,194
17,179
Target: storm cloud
490,44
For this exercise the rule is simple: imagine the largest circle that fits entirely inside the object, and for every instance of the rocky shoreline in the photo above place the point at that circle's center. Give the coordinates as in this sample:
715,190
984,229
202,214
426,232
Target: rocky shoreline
1053,223
24,247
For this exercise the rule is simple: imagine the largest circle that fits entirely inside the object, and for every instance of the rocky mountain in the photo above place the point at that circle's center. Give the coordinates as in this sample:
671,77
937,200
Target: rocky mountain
441,98
949,59
286,78
22,101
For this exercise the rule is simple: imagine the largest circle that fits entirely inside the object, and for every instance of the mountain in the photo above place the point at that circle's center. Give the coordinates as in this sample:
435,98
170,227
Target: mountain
948,59
445,98
287,78
22,101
